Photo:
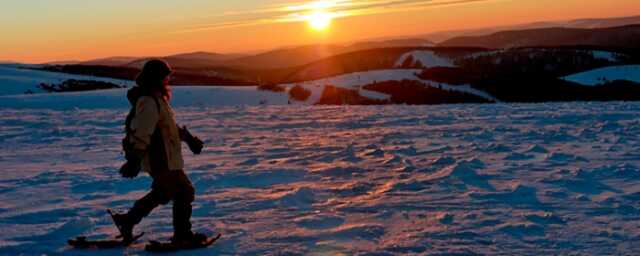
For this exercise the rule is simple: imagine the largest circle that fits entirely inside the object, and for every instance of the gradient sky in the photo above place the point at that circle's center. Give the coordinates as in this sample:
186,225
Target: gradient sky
48,30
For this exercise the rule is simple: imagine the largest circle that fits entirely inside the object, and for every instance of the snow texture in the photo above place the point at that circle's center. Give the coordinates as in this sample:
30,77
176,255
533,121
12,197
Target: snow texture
553,179
607,74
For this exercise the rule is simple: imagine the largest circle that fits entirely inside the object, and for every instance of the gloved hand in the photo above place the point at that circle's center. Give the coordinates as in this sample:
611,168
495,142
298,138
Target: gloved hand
132,167
195,144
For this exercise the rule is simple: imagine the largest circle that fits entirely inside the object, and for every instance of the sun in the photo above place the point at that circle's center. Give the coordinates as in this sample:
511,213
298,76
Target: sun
319,14
319,20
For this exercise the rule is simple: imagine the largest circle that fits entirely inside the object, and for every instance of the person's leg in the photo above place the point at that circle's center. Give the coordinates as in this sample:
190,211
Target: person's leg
143,207
182,209
126,222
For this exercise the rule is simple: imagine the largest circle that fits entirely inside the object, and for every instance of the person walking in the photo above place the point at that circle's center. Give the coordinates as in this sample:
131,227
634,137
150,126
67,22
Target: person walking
153,144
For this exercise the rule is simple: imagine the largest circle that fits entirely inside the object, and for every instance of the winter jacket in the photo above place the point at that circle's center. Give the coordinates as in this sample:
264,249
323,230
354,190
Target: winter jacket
162,145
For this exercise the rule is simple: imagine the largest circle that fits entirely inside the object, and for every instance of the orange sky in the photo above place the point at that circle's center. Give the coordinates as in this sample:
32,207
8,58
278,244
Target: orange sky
48,30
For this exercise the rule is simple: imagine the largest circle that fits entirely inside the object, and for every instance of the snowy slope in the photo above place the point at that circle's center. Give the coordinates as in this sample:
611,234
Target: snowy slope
14,80
554,179
428,59
182,96
356,81
603,75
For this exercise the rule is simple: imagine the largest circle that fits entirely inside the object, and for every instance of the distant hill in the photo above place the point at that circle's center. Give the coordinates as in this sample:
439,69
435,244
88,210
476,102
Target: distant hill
297,56
61,62
110,61
392,43
288,57
189,60
603,23
578,23
364,60
206,56
617,37
275,59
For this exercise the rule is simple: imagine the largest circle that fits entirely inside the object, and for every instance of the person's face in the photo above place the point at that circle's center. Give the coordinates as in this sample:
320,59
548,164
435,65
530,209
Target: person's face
166,80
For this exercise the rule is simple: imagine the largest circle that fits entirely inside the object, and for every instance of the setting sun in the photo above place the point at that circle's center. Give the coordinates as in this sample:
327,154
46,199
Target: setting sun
320,14
319,20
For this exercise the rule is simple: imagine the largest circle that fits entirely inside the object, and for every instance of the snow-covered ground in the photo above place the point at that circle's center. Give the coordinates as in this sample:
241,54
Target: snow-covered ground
553,179
607,74
15,80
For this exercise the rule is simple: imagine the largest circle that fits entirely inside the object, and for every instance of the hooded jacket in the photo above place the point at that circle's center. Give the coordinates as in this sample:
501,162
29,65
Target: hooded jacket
154,131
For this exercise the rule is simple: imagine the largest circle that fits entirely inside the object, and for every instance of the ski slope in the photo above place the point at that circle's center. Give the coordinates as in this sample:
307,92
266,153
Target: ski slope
607,74
525,179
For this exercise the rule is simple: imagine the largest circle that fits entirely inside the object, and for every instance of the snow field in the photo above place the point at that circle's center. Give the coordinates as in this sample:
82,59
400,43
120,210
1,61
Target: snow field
384,180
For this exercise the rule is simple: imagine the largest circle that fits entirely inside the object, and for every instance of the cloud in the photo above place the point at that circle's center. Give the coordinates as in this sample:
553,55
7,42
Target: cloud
296,11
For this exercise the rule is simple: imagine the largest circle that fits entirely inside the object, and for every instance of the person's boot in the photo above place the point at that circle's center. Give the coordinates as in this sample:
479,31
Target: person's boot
189,239
123,224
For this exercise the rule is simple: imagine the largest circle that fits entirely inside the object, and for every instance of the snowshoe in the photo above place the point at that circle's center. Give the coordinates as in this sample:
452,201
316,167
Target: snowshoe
156,246
82,242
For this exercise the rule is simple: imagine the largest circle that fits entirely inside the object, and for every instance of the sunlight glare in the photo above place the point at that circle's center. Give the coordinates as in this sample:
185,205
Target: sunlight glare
319,20
319,14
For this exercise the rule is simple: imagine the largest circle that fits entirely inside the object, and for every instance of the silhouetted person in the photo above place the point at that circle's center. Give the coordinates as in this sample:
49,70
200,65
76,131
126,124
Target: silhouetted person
153,143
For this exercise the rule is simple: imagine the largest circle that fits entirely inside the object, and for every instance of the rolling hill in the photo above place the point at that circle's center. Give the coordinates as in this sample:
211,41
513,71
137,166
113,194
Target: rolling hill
590,23
189,60
615,37
274,59
297,56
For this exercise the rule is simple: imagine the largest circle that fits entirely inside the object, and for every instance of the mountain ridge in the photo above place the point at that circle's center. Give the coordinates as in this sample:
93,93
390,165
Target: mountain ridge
627,36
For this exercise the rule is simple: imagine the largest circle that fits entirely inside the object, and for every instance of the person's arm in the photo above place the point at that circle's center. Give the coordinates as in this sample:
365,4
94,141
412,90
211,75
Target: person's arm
182,130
